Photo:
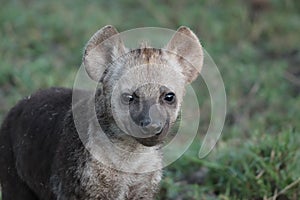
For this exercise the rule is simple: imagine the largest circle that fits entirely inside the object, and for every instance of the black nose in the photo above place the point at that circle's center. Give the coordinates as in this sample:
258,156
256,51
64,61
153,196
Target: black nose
145,122
150,127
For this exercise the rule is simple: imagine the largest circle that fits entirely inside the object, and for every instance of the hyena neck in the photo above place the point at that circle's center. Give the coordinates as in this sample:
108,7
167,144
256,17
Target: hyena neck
122,153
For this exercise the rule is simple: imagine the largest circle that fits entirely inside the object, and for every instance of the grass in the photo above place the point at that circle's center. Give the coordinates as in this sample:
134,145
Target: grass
266,167
254,44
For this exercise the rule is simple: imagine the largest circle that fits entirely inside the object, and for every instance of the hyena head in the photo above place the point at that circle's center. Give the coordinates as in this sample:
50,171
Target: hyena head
142,89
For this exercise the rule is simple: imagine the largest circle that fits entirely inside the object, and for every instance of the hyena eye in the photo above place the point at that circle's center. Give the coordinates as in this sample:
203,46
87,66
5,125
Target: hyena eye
127,98
169,98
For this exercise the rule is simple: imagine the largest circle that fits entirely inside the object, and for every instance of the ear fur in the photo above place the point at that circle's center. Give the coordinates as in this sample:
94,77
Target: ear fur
188,49
100,50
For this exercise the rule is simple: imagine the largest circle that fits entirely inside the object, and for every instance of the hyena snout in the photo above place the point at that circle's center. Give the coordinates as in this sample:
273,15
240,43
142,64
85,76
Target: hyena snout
148,126
150,118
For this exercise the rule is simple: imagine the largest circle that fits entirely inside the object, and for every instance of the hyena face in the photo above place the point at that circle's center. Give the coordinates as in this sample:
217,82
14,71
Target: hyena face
142,88
145,94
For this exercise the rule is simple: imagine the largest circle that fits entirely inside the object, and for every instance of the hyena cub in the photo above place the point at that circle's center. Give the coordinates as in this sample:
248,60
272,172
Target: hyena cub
105,145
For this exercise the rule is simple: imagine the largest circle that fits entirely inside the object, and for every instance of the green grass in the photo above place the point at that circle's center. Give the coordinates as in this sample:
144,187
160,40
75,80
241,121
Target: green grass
257,52
260,168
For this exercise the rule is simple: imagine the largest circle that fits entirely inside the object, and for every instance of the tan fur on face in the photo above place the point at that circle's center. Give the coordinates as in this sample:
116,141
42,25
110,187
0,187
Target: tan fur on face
122,70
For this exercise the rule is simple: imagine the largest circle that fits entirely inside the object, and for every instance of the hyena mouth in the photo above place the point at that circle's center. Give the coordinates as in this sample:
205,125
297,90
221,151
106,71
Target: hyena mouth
157,134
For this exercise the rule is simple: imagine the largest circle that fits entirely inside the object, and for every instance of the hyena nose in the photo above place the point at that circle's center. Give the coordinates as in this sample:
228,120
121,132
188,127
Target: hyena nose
151,127
145,122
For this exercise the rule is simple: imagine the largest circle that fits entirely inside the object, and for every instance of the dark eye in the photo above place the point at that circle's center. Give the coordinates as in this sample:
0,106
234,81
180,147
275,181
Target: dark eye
127,98
169,97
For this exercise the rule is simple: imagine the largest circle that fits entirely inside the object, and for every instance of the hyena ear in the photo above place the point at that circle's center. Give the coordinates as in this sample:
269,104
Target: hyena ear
188,50
103,47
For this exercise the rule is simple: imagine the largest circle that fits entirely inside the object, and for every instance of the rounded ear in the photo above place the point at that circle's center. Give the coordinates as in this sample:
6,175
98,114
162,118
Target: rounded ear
103,47
188,49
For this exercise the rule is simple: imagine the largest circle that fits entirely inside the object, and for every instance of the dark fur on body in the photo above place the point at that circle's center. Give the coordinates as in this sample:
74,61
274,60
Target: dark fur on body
52,153
30,138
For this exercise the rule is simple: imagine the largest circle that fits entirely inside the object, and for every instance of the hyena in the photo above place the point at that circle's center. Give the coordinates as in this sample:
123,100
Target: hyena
118,155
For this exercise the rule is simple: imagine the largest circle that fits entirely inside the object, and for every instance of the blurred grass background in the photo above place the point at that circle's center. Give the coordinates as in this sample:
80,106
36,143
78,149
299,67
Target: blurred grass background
255,44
